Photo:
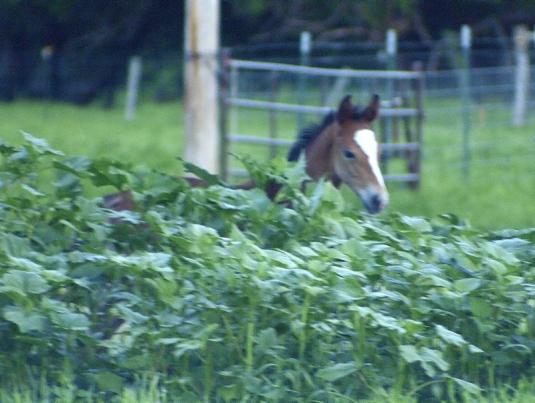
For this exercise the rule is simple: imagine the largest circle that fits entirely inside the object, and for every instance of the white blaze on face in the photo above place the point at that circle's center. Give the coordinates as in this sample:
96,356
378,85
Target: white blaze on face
365,139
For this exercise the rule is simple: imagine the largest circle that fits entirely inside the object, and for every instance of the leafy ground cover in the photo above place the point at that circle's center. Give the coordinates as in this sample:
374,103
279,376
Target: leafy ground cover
220,294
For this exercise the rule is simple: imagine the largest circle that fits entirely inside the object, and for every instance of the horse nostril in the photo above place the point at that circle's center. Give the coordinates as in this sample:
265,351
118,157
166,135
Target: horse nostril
376,202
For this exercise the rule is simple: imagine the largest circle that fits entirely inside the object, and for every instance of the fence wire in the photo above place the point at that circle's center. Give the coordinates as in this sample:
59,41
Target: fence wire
88,77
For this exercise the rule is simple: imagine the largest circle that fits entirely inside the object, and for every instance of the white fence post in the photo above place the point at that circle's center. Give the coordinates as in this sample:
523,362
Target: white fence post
391,47
132,89
521,38
201,108
466,45
305,46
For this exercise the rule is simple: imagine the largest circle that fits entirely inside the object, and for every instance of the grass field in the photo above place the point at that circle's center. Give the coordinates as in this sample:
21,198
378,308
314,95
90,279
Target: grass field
498,193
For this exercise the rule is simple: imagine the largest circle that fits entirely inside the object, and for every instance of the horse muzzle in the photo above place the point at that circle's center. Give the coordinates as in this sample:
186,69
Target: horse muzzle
373,201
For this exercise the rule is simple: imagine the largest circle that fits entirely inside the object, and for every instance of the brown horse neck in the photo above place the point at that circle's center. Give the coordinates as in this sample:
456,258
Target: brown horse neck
318,156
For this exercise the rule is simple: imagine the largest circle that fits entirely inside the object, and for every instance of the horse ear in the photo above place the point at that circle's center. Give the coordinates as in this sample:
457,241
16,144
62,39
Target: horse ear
372,110
345,110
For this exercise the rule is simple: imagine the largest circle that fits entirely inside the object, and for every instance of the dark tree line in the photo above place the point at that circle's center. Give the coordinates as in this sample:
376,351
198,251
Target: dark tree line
76,49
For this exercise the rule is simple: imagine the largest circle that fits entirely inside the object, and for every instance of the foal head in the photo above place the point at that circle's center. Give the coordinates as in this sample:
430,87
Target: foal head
355,153
343,148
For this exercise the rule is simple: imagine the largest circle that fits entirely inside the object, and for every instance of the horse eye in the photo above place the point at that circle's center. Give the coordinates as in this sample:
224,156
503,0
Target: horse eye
349,155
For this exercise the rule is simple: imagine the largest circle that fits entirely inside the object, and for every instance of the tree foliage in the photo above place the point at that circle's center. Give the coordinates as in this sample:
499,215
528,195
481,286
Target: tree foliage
90,42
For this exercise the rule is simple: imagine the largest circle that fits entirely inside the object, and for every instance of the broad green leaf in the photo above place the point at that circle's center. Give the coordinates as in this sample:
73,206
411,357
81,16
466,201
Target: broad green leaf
480,307
126,216
506,249
24,263
474,349
450,337
267,339
55,276
413,326
71,321
435,357
515,280
417,223
315,198
77,166
87,270
40,145
337,371
26,321
136,362
131,316
352,227
201,173
363,311
14,246
496,266
21,155
409,353
109,382
347,273
355,248
515,234
345,292
469,387
467,285
284,258
105,172
387,322
314,291
29,189
25,282
438,281
186,346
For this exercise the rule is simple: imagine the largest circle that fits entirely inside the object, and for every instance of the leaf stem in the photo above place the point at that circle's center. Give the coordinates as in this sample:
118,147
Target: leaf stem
249,356
303,333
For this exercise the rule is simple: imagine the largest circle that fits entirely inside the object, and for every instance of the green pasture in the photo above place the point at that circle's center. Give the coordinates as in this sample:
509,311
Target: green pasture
499,191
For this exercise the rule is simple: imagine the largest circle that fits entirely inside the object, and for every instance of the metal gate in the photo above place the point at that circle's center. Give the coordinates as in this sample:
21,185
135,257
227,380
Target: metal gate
258,86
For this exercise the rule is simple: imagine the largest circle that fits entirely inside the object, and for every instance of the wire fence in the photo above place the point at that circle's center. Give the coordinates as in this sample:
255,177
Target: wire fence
435,55
491,140
487,113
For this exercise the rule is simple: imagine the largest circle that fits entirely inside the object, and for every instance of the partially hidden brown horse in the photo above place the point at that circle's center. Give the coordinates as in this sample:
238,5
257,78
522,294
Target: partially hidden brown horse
342,148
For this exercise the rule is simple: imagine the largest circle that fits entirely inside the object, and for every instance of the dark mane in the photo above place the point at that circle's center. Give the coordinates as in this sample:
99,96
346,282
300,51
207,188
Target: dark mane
308,135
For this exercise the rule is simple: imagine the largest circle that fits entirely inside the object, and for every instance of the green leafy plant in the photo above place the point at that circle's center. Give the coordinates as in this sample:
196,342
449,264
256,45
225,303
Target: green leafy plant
226,295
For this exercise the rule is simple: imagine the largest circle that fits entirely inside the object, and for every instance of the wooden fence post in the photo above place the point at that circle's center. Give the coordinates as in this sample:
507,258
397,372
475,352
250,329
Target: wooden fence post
305,46
132,87
224,91
521,39
391,47
201,45
415,162
273,94
466,44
